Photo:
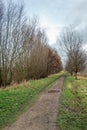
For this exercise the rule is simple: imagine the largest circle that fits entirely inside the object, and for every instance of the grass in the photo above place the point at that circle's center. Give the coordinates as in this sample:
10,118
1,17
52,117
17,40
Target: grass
15,100
73,108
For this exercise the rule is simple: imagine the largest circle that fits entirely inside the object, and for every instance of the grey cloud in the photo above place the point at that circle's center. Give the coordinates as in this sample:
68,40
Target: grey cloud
78,17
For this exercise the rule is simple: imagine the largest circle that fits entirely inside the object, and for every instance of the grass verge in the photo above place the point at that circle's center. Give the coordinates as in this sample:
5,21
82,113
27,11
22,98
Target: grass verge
73,107
15,100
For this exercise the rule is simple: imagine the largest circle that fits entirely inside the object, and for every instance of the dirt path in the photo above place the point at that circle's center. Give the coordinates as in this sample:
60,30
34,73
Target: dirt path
42,115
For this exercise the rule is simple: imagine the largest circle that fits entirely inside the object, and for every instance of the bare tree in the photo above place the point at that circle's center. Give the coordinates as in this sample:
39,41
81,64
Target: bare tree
12,41
72,43
37,67
76,62
1,24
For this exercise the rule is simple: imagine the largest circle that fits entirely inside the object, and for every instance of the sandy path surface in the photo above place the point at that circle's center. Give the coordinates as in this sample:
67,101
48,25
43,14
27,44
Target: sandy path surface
42,115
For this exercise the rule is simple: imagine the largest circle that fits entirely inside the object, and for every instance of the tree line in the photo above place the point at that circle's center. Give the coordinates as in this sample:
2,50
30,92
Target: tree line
24,50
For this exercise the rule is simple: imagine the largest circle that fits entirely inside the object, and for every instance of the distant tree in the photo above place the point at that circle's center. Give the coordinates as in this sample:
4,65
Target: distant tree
72,43
54,64
76,62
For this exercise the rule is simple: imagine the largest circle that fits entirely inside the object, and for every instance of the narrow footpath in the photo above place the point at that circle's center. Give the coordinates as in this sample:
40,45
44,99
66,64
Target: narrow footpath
43,114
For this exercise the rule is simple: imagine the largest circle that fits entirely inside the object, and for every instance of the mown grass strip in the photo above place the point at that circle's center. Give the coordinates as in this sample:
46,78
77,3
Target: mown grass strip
73,107
14,100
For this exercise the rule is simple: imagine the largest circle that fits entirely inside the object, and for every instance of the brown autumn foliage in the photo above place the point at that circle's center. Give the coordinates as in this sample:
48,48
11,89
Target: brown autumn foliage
54,64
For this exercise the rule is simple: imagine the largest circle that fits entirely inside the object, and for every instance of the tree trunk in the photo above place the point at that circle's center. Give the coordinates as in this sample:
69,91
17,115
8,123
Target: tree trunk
75,75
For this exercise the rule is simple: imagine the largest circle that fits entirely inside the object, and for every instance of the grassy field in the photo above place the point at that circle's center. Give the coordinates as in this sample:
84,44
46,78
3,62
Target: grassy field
14,100
73,109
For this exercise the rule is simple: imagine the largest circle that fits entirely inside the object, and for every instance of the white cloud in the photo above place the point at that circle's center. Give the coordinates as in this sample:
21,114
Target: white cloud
81,26
85,47
52,29
52,34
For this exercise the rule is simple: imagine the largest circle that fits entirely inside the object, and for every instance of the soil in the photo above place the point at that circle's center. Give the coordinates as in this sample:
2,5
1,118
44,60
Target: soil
43,114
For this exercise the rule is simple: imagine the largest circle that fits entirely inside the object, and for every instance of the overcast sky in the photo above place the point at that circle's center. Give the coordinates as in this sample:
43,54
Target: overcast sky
56,14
